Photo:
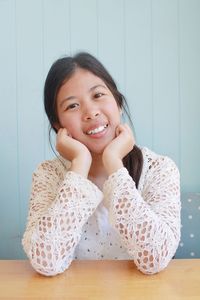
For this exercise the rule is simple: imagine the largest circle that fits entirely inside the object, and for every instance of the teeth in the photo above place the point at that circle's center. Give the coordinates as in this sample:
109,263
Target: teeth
97,130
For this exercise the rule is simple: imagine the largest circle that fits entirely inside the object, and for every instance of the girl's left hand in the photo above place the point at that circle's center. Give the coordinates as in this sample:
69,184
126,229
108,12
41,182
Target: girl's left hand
118,148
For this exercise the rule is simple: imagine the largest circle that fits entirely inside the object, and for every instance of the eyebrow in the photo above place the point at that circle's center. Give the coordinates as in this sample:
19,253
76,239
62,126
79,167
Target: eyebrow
90,90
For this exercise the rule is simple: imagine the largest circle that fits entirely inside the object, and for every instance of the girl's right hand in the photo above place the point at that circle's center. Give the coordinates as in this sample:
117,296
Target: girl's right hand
74,151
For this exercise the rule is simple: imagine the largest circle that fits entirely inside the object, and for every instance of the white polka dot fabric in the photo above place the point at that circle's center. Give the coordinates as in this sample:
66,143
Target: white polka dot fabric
189,246
70,218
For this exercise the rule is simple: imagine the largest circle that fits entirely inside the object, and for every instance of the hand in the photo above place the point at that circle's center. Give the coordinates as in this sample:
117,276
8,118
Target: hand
118,148
74,151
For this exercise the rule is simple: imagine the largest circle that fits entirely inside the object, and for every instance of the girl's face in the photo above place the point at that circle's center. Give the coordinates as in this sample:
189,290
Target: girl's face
88,110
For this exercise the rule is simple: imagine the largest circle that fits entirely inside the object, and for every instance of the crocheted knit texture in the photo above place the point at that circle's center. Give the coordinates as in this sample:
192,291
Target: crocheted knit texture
70,218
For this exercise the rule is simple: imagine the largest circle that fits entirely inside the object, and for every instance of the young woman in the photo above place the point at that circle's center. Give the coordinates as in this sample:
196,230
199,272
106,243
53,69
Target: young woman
103,197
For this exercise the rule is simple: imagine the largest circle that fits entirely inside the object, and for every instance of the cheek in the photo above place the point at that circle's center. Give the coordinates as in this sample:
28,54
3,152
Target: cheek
115,112
70,124
74,131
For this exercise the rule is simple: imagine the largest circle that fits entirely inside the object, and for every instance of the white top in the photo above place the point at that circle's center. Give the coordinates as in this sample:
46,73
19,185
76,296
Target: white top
71,218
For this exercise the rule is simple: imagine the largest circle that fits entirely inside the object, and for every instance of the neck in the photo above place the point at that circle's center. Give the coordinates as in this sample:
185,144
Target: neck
97,168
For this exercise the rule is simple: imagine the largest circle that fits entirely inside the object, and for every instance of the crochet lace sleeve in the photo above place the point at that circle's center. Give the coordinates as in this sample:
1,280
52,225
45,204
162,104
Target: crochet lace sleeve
148,222
58,210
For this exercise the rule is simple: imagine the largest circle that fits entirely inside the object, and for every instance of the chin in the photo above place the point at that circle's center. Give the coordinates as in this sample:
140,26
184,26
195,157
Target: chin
99,147
98,151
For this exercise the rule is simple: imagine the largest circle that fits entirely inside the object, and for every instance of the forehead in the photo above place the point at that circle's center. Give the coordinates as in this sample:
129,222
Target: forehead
82,79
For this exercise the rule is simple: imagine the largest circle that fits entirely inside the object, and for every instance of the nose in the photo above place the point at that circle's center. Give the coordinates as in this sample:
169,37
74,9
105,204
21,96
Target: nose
91,116
91,112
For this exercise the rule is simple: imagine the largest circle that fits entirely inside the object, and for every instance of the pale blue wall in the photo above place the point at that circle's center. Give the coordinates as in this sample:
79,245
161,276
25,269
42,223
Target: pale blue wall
152,49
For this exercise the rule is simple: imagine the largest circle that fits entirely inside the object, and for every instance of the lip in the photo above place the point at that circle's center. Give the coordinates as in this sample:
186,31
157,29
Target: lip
99,134
94,126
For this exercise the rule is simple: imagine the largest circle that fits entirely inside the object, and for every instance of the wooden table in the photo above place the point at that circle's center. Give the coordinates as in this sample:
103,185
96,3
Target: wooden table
101,280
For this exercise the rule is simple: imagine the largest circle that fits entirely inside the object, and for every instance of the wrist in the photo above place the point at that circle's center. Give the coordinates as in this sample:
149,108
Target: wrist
81,165
113,165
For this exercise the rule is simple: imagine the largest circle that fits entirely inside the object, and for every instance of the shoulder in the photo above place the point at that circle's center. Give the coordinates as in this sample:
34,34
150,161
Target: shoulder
56,167
153,160
156,164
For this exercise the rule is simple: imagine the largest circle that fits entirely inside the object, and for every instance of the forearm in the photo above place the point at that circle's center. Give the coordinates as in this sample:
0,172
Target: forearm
51,238
149,231
81,166
112,165
147,237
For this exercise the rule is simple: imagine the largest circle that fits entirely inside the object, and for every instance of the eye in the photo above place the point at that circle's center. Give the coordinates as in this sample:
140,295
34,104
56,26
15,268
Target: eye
98,95
72,106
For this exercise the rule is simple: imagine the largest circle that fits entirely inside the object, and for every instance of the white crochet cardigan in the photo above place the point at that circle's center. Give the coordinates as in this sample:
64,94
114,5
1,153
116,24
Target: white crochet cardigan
70,218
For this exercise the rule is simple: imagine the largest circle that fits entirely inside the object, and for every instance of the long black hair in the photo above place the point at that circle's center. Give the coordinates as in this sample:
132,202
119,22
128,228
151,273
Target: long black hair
61,71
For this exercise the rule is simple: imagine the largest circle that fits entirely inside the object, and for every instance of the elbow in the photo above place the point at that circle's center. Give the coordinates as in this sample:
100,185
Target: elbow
50,264
51,269
153,264
156,266
151,270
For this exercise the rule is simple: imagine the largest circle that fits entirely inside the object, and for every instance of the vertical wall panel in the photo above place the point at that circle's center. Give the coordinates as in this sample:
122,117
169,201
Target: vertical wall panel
190,94
111,38
9,188
165,78
29,81
83,26
139,67
56,43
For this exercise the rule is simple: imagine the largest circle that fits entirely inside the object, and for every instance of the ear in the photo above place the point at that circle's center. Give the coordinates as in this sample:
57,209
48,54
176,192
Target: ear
56,126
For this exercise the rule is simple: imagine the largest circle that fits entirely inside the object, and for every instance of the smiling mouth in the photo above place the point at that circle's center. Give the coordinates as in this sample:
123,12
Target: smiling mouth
97,130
